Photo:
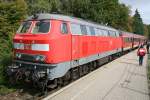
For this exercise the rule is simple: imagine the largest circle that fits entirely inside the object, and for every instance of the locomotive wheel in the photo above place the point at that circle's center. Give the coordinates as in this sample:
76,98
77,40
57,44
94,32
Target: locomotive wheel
90,66
75,73
66,78
94,65
12,80
110,58
85,69
81,71
52,84
62,81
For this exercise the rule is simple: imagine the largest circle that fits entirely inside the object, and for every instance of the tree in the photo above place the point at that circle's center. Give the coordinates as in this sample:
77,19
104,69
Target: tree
11,13
123,20
148,27
43,6
146,30
104,11
138,27
129,24
10,16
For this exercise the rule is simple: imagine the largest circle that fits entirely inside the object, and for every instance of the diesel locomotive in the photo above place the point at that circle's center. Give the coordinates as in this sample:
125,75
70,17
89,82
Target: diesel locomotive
51,49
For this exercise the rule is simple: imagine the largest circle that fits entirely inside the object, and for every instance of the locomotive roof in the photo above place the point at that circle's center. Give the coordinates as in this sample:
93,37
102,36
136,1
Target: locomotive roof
132,34
43,16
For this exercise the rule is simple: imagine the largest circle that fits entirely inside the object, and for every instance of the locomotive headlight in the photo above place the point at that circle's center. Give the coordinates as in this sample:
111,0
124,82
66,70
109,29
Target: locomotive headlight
18,55
40,47
18,46
40,58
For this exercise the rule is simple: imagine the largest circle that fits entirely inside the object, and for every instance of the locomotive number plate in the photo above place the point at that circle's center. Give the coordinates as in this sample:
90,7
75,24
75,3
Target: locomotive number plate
27,46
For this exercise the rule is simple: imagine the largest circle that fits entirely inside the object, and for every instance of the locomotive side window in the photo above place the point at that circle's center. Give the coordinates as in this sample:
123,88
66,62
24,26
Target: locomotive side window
105,32
117,34
41,27
24,27
75,29
100,32
88,30
92,30
112,33
64,29
97,31
83,29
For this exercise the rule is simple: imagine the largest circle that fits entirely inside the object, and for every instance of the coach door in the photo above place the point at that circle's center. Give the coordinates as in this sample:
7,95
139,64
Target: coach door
76,33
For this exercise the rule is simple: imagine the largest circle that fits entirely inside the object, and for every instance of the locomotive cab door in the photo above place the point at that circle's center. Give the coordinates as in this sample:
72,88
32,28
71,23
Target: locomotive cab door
75,42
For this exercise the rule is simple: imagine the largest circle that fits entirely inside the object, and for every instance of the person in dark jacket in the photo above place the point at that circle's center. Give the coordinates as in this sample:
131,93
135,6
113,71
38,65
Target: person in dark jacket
147,47
141,53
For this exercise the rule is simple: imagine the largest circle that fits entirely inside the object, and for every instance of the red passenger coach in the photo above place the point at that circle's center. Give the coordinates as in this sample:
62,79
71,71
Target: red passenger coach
127,41
138,40
51,48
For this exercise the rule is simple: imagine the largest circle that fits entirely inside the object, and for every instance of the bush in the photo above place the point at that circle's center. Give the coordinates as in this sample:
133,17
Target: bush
6,60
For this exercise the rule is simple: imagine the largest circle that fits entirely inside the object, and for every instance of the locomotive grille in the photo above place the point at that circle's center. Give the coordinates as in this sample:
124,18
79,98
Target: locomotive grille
27,57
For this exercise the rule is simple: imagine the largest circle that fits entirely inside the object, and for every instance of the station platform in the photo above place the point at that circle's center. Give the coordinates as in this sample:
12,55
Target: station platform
121,79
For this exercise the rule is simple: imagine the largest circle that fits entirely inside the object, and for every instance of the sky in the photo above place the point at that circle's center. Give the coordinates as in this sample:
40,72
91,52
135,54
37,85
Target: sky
143,7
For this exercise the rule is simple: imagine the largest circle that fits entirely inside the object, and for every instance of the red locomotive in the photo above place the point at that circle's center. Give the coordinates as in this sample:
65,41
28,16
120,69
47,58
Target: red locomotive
51,49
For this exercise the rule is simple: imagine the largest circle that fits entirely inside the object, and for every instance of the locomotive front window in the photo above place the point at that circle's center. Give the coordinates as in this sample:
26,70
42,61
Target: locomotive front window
41,27
24,27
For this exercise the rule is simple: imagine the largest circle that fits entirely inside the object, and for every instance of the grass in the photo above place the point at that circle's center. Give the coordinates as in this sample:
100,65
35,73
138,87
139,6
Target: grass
4,89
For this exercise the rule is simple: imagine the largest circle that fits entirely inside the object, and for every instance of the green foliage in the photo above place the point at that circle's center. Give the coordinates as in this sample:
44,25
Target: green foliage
10,16
5,90
148,27
101,11
123,18
42,6
146,30
138,26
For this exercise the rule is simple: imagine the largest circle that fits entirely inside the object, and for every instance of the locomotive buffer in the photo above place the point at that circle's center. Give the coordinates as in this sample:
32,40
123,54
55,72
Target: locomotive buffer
122,79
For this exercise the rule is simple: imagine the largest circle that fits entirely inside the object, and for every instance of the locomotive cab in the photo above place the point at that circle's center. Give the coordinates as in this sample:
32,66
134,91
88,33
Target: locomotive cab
38,49
31,42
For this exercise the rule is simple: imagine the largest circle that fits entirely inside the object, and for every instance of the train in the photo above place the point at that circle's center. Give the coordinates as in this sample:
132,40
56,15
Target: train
51,49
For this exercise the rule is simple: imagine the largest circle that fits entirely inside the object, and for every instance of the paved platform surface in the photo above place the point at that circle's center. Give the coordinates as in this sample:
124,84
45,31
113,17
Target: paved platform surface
122,79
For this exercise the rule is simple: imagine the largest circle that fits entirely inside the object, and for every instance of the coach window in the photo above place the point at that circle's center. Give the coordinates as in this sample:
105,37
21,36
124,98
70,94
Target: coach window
92,30
83,29
64,29
75,29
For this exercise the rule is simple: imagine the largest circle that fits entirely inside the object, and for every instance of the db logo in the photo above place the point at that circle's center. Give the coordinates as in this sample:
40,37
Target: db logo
27,46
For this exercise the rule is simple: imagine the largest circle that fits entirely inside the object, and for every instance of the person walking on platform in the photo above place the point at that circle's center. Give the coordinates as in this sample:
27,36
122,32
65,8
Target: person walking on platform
141,53
147,47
